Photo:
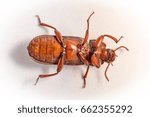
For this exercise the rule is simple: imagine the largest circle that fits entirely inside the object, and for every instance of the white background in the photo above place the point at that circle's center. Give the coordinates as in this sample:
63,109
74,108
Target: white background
129,77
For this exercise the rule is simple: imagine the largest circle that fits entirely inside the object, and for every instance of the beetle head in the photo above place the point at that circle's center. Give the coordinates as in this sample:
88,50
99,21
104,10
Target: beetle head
108,55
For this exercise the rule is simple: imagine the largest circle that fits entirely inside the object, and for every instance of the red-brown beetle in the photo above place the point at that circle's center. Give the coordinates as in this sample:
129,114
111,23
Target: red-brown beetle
70,50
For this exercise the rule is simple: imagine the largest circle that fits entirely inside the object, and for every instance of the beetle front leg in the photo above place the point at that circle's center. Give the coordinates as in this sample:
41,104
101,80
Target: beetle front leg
57,33
113,38
100,39
106,72
59,68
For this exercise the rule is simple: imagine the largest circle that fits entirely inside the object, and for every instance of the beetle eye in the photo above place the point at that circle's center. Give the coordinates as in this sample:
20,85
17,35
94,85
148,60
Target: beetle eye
113,56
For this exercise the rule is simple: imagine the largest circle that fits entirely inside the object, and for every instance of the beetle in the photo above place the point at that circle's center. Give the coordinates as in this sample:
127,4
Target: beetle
70,50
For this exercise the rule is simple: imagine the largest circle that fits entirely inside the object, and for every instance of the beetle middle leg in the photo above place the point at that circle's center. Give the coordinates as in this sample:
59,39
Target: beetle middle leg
86,63
59,68
85,76
87,31
80,53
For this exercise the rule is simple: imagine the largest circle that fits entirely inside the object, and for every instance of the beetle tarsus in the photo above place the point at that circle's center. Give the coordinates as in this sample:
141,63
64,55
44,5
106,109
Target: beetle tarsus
44,24
101,38
87,31
36,81
84,83
39,20
106,72
85,76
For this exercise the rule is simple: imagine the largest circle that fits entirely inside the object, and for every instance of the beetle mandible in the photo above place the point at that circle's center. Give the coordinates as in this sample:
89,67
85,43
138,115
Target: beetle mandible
70,50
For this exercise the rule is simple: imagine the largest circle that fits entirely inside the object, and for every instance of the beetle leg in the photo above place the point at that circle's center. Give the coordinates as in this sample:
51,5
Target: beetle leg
83,59
101,38
57,33
87,31
44,24
86,63
85,76
59,68
106,72
95,61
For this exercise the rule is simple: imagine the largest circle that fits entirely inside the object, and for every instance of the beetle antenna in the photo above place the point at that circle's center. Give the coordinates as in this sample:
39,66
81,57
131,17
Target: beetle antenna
122,47
106,72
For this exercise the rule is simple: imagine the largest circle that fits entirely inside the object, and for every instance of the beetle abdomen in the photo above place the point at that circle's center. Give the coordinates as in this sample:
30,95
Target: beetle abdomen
45,49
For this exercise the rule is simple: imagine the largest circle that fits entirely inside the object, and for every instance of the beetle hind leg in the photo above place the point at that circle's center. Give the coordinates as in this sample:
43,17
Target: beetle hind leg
44,76
57,33
44,24
59,68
